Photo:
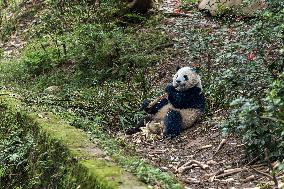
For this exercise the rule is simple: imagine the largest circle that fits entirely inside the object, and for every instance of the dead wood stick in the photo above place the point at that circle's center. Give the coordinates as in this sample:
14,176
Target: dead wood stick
273,174
258,165
183,169
230,172
204,147
191,181
233,169
262,173
201,165
227,180
213,175
249,178
173,14
223,141
252,161
157,100
275,164
191,164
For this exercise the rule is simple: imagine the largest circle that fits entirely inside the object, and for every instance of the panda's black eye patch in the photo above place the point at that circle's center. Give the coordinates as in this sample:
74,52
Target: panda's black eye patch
185,77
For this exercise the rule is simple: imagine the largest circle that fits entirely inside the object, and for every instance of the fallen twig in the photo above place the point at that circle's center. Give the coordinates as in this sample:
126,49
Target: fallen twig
191,181
202,165
227,180
205,147
273,174
230,172
224,173
183,169
276,164
191,164
262,173
249,178
252,161
258,166
215,173
220,146
173,14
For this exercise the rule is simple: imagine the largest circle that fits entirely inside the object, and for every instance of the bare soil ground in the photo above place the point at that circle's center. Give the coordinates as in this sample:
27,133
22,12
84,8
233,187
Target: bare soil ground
194,157
24,18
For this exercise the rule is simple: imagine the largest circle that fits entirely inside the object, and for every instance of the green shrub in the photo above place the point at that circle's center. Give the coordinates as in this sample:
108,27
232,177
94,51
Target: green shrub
260,122
7,26
28,159
15,146
247,80
41,61
105,54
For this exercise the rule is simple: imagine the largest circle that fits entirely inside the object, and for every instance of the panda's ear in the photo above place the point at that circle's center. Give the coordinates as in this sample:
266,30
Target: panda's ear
196,70
177,68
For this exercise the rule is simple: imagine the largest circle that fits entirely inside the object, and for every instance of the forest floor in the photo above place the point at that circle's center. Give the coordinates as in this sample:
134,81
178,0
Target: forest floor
12,46
201,157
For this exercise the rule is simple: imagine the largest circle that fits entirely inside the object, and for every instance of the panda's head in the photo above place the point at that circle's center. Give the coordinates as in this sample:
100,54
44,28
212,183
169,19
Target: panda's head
186,78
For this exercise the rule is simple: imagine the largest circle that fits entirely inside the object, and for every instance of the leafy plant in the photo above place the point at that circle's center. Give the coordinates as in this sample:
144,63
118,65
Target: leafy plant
260,122
28,158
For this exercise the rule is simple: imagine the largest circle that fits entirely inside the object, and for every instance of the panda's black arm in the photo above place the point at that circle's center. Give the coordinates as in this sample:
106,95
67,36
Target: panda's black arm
154,108
170,88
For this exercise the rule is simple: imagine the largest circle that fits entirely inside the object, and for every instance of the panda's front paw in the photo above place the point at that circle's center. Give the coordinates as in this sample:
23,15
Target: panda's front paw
169,136
144,104
132,131
169,88
171,132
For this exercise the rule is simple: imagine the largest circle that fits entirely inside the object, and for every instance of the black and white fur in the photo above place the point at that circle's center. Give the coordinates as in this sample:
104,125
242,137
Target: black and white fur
182,106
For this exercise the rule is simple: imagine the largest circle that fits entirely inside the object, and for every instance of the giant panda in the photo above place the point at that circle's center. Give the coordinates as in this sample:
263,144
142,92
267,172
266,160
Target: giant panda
181,106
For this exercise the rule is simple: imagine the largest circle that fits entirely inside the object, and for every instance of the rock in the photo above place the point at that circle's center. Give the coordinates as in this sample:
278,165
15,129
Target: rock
240,7
52,89
141,6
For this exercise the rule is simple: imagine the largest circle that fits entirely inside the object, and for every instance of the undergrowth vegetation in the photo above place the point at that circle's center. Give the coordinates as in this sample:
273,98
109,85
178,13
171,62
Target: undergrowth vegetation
88,64
77,45
242,62
28,159
255,87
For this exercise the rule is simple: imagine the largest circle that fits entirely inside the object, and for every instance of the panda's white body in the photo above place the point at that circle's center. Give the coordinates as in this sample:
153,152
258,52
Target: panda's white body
186,84
189,117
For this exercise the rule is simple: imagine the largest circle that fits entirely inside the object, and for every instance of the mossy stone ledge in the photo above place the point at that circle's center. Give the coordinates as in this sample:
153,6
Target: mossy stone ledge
91,167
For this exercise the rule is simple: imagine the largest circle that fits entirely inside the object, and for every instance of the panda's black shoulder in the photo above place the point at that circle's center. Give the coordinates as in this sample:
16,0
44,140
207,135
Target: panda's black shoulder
195,91
191,98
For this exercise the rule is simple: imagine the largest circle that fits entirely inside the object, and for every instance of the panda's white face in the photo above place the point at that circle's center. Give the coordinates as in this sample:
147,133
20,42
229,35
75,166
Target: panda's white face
186,78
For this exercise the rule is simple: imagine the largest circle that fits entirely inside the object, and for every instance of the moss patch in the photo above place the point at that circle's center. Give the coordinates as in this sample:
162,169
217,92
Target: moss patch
89,167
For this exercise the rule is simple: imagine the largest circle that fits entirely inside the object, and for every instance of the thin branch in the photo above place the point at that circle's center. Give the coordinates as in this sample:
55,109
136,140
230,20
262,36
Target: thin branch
266,153
222,143
262,173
